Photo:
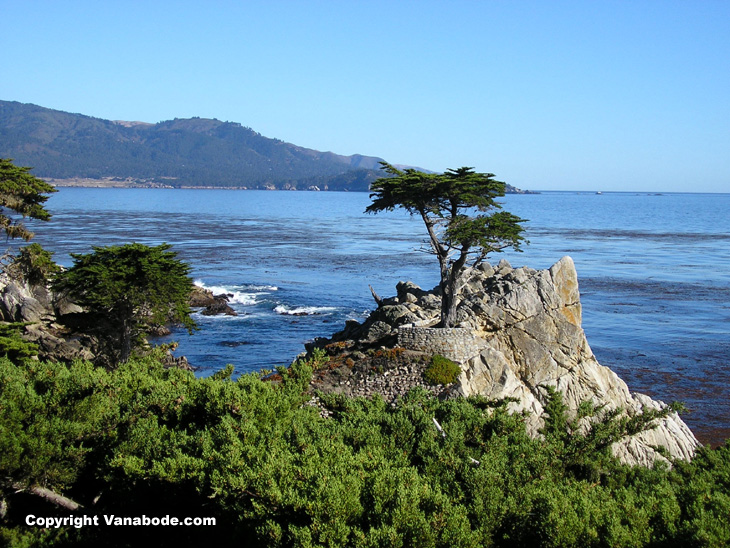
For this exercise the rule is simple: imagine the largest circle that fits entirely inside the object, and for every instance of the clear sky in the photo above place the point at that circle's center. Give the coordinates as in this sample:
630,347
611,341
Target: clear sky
549,95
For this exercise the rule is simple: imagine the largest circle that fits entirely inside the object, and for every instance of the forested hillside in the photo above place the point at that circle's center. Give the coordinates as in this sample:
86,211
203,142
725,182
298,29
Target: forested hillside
180,152
194,152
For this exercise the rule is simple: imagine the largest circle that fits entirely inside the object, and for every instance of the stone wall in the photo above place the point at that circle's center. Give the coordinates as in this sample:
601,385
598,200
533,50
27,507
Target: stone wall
456,344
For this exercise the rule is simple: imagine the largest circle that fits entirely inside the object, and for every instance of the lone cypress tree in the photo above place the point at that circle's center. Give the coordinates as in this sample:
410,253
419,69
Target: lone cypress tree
457,235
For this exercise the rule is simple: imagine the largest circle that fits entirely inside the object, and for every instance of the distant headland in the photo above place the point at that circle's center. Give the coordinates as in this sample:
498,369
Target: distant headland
69,149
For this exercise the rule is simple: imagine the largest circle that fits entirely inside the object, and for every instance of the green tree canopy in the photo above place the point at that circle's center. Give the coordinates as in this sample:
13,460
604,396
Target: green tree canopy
462,218
23,194
127,290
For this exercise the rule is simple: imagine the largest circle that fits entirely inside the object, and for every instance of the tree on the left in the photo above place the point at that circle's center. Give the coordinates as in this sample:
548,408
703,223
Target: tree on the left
23,194
127,291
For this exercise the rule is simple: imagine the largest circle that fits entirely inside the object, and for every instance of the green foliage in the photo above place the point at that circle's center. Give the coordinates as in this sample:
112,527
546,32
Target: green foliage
12,344
141,439
23,194
128,290
441,371
581,444
35,264
447,203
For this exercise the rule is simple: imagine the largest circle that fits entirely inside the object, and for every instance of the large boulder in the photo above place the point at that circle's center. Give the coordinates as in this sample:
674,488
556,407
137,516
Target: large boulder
19,302
211,304
518,332
536,340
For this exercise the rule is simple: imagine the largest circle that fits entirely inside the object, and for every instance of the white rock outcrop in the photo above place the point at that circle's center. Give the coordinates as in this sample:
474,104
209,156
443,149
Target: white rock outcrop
531,323
519,331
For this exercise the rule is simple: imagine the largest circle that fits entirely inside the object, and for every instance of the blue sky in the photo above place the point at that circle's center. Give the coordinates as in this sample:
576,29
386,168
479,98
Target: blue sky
551,95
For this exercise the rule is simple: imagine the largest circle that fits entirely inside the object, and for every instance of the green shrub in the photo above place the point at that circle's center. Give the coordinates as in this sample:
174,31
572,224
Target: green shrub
441,371
35,264
12,343
144,440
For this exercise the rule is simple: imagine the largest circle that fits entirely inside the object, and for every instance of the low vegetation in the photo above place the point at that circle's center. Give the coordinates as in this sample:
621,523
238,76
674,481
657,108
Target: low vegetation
144,440
33,264
441,371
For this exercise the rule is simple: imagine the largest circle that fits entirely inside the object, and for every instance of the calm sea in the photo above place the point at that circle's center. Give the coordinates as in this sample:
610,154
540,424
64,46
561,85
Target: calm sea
654,272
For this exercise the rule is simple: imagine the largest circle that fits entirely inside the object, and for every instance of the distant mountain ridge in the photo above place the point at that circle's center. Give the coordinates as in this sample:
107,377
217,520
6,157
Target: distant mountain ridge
193,152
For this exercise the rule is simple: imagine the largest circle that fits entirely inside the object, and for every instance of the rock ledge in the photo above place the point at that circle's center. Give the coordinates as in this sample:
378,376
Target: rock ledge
518,331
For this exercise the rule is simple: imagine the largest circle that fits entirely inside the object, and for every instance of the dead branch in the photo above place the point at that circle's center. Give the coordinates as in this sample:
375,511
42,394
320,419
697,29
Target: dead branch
47,494
377,297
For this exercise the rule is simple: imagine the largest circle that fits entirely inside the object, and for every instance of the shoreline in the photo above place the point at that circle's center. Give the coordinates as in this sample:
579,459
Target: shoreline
129,182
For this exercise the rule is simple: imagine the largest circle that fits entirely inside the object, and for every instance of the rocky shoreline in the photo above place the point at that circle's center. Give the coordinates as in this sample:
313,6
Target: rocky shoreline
131,182
518,333
49,319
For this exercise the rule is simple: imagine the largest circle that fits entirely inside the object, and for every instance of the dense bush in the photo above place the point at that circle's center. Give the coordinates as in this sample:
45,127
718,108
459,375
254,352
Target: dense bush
34,264
12,343
143,440
441,371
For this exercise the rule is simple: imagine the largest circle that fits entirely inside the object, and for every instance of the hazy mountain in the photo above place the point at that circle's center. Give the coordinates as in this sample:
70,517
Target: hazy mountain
180,152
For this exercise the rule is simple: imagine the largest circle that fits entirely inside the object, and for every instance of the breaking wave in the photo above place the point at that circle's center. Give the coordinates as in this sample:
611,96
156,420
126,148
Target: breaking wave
303,310
245,295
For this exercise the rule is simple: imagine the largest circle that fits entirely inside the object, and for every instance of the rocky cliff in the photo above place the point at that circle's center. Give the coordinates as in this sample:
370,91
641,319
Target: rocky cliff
50,320
43,315
519,331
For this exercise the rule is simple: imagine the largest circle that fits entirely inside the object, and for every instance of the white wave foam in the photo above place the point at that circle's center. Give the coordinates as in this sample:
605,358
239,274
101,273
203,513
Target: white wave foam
198,317
303,310
234,296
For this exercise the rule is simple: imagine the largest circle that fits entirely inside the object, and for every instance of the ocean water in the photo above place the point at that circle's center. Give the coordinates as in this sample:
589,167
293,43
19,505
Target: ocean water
654,273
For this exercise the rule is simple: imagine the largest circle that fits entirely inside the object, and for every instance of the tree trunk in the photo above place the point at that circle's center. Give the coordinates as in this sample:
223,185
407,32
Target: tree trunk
377,298
448,301
450,272
126,349
47,494
446,292
450,278
126,333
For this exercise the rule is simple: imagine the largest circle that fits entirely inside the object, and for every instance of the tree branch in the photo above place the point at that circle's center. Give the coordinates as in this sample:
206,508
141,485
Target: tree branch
377,297
47,494
438,248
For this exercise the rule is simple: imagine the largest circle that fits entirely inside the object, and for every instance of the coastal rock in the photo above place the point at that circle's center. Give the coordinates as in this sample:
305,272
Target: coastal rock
18,303
211,304
519,331
63,306
51,319
201,297
57,344
408,292
220,306
539,342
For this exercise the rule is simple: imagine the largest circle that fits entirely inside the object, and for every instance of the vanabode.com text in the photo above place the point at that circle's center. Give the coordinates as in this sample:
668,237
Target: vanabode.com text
81,521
